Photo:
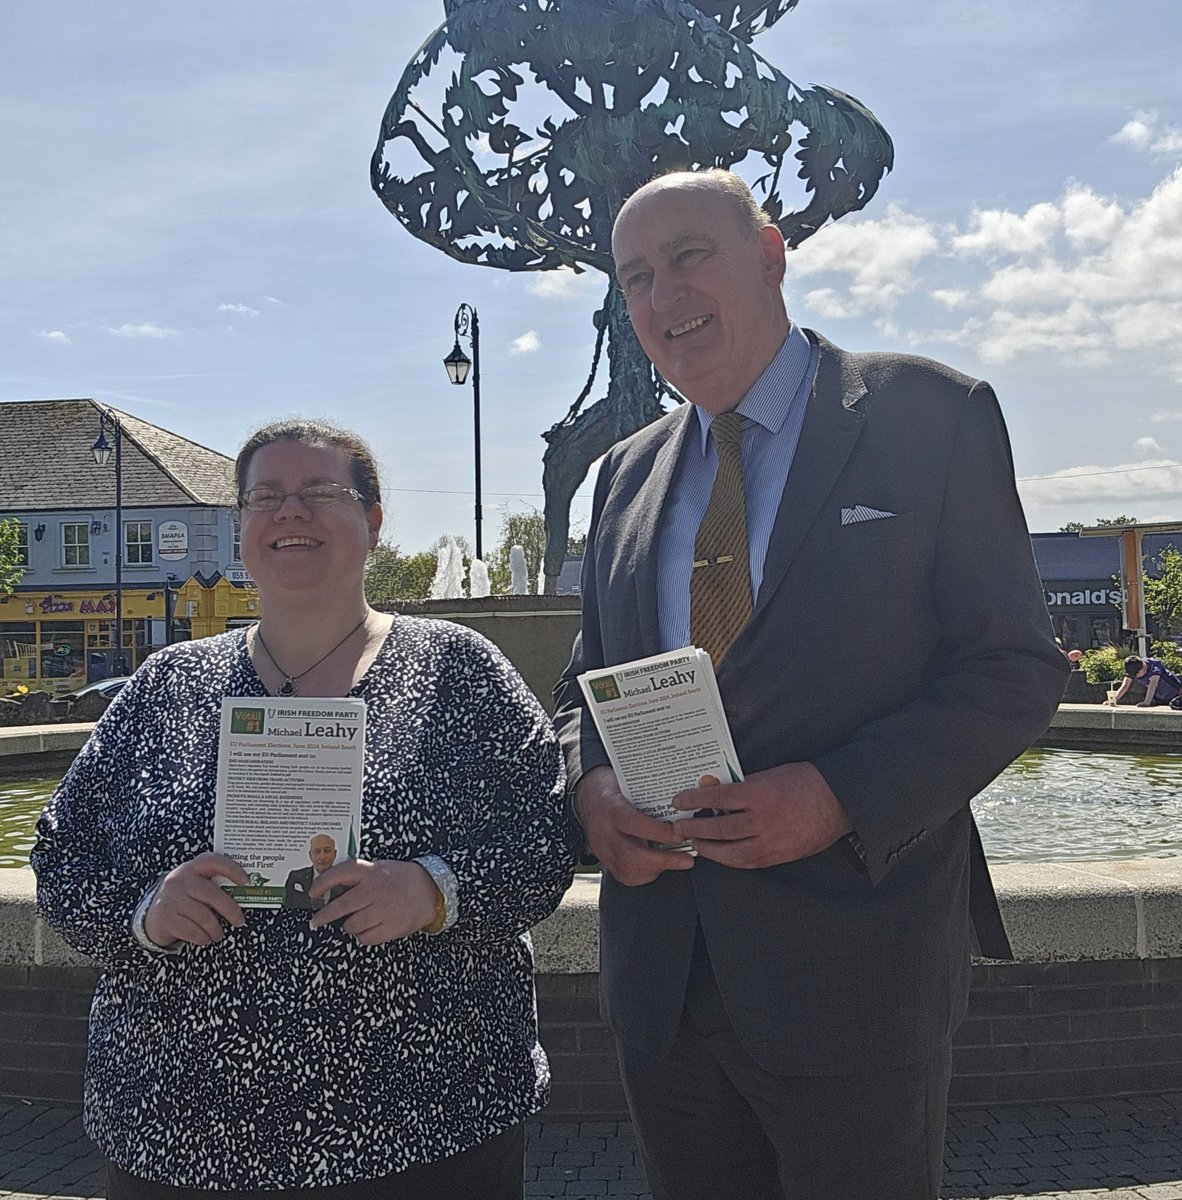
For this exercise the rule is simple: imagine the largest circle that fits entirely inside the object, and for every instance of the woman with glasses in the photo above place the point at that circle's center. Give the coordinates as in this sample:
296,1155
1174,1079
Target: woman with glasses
385,1042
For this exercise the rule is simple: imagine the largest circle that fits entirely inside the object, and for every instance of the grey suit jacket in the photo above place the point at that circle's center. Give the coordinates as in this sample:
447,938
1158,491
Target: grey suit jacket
909,658
295,889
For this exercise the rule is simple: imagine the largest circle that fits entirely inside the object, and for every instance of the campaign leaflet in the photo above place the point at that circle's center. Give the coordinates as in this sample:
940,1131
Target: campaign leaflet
662,723
290,771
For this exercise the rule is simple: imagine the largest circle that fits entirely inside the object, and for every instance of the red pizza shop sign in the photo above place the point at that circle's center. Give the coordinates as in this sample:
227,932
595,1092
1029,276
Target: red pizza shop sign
87,608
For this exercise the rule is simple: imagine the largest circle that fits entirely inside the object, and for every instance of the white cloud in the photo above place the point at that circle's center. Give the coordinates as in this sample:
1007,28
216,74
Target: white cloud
995,231
528,343
144,331
563,284
1075,331
1166,416
1143,133
951,297
1135,133
1026,286
883,257
1149,325
54,335
1089,219
242,310
1139,257
830,303
1111,283
1082,280
272,300
1098,484
1148,445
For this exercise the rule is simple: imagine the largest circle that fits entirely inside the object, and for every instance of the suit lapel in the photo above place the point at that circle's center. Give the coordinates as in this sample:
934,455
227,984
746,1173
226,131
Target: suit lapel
832,425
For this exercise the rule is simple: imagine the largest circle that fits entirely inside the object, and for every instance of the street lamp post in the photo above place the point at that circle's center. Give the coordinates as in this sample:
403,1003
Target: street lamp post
102,455
457,363
169,607
169,595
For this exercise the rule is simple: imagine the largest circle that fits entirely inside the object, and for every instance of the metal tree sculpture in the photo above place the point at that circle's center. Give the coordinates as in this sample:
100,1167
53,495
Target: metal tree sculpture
648,86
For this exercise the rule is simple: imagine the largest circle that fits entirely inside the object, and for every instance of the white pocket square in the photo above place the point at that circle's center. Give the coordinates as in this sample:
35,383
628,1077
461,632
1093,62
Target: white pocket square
851,516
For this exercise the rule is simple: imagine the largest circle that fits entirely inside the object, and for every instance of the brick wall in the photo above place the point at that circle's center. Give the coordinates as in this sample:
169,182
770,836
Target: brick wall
1035,1032
585,1080
1054,1031
43,1016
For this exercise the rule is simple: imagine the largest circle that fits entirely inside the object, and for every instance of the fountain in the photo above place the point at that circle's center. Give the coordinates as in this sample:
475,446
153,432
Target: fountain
478,583
517,571
449,572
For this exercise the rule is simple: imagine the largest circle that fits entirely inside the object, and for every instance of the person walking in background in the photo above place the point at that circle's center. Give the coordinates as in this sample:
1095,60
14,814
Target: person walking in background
384,1045
783,1003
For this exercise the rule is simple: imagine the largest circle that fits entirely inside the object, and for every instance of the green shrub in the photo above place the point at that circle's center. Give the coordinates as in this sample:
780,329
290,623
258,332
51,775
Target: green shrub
1108,662
1170,653
1105,664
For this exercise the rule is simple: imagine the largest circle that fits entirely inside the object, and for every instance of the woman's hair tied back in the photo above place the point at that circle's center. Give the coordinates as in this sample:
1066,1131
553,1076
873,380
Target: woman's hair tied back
315,431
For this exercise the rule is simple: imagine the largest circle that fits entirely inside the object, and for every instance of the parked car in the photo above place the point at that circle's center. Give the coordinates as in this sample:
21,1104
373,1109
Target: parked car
87,703
104,687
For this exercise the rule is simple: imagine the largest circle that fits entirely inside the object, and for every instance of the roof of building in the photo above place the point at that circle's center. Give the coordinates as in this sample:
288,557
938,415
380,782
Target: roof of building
1065,556
46,461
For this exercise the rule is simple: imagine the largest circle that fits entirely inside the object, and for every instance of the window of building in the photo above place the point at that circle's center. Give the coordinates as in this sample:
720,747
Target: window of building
137,541
76,544
62,651
22,544
18,652
236,526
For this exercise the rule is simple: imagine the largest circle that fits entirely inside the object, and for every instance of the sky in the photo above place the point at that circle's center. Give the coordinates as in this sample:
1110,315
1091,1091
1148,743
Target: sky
188,233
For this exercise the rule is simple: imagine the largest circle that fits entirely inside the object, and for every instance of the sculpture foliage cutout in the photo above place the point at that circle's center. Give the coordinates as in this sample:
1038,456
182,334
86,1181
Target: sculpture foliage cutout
520,127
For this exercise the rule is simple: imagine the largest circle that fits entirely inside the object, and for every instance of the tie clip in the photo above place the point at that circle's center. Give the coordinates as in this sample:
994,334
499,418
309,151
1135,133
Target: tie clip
713,562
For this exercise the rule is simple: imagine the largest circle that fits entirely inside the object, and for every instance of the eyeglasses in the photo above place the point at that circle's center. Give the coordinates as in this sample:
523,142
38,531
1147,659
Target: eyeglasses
316,495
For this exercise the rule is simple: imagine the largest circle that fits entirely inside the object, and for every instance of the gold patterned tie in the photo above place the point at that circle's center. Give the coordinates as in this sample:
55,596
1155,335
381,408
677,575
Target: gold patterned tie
720,585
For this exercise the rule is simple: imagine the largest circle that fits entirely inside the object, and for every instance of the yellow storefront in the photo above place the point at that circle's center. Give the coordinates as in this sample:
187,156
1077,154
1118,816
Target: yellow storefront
215,609
59,641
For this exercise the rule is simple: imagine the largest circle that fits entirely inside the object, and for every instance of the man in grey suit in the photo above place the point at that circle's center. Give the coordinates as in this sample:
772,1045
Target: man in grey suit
322,853
783,1003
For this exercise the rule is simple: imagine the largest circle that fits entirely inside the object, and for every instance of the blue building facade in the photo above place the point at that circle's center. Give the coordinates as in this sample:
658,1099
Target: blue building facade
180,574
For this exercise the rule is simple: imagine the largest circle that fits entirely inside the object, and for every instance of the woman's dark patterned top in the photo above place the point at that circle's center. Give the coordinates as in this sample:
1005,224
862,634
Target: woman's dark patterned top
286,1056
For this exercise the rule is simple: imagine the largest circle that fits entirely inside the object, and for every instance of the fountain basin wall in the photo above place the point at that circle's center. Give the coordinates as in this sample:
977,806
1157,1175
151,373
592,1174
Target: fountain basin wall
1096,727
1091,1007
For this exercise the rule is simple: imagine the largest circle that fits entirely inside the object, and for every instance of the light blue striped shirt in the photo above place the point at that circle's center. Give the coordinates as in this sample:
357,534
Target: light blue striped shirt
773,413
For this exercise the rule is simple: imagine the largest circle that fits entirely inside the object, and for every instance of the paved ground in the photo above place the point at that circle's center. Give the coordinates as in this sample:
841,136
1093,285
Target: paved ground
1128,1149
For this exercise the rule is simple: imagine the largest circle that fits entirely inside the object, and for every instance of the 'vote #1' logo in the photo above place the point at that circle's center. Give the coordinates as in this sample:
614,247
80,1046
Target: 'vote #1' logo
605,689
246,720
